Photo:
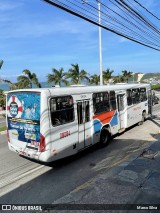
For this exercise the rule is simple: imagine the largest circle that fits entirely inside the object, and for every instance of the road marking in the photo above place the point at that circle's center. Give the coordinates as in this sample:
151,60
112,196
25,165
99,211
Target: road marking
24,178
4,183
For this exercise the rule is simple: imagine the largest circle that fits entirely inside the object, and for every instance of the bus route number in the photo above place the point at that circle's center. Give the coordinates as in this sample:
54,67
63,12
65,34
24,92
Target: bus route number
64,134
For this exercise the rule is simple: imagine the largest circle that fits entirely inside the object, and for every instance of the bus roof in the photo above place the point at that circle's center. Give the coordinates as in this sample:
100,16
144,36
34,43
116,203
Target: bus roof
84,89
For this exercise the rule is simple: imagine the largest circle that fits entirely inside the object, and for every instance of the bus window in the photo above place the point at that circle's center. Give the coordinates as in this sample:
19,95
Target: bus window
106,102
87,112
120,99
129,97
80,112
101,102
135,96
143,95
97,103
62,110
112,100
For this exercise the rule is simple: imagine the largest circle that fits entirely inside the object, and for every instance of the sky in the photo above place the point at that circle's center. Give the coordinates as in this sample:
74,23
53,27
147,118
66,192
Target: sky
37,36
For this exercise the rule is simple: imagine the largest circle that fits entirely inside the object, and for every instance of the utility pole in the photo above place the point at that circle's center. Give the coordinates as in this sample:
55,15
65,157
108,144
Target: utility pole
100,39
100,43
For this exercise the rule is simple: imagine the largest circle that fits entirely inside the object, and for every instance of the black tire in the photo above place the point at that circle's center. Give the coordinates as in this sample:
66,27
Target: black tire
105,138
143,118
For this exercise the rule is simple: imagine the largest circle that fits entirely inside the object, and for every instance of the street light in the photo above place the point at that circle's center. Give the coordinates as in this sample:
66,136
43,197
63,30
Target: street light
100,39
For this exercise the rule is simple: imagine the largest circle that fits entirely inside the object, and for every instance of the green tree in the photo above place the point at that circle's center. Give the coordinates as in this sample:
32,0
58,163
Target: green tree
27,80
117,79
126,75
76,75
2,98
23,82
95,79
11,85
57,76
107,74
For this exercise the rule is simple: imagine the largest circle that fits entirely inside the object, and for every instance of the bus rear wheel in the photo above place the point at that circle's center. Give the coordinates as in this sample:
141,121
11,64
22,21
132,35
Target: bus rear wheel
143,118
105,138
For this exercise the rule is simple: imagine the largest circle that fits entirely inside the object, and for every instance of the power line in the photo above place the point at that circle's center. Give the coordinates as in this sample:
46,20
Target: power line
132,23
135,28
146,9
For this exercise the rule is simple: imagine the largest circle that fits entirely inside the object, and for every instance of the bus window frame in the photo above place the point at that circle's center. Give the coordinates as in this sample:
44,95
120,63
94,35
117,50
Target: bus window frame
129,97
135,96
106,102
59,121
142,96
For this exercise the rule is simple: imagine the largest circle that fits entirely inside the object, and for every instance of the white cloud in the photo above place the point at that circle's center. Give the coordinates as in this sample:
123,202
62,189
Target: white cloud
35,28
10,5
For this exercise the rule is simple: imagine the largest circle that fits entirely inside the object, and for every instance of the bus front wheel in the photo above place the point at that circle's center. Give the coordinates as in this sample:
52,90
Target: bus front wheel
105,138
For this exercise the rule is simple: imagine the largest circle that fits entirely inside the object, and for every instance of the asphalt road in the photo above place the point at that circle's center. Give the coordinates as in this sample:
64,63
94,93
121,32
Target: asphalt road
26,182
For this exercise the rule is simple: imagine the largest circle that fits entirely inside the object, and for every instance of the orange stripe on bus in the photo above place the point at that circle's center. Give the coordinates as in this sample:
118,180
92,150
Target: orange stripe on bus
105,117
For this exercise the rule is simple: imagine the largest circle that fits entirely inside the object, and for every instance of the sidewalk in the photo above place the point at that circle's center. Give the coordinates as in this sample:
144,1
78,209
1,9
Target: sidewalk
136,181
2,112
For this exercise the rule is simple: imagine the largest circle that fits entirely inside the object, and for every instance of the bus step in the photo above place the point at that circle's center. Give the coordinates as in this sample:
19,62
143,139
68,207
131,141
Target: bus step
121,130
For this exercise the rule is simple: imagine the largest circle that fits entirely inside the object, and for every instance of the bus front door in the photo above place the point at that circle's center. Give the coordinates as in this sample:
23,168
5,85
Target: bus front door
121,111
84,123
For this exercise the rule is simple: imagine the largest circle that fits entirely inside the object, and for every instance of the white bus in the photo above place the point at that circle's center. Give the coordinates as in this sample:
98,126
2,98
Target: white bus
52,123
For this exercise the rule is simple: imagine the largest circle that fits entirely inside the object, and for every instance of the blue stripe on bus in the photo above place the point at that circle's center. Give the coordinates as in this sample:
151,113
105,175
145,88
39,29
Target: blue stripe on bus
97,126
114,120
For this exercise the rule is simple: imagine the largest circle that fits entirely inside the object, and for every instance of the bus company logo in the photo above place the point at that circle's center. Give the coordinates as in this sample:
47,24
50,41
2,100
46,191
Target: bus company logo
14,107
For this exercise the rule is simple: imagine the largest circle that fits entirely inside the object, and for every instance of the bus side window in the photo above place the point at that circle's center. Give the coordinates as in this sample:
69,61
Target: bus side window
62,110
135,96
101,102
112,100
143,95
87,112
129,97
97,103
80,112
106,102
120,99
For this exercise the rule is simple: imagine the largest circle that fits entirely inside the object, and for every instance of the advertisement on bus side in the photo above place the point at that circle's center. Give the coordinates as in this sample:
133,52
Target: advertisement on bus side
23,116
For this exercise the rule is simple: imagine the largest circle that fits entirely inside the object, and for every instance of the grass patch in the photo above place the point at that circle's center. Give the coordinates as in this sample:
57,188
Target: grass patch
3,128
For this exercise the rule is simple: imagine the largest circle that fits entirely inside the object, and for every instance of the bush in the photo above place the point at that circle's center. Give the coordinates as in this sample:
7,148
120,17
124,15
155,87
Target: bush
2,100
156,87
3,128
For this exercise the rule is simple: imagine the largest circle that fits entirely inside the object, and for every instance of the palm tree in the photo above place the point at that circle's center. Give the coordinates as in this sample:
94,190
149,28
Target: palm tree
58,77
76,75
107,75
95,79
23,82
27,80
12,86
117,79
126,75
